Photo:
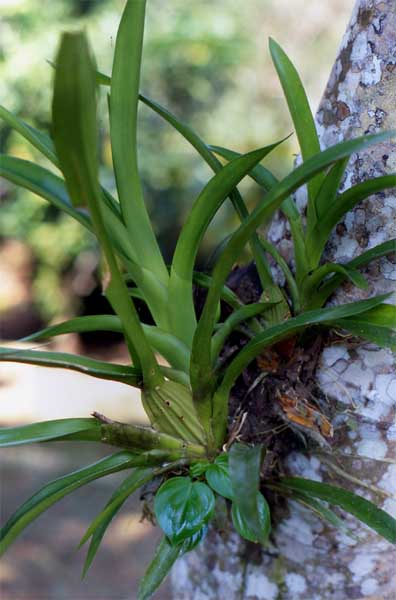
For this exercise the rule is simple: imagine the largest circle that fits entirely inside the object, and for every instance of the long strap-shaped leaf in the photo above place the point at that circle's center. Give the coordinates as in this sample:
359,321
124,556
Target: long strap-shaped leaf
123,127
59,488
75,137
265,179
359,507
62,360
170,347
338,207
42,182
237,201
363,259
42,142
89,366
201,375
52,188
48,430
302,118
164,558
98,527
245,313
181,307
378,325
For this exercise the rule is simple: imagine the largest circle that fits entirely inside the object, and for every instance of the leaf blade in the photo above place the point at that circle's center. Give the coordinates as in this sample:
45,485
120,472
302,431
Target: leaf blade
244,470
56,490
359,507
46,430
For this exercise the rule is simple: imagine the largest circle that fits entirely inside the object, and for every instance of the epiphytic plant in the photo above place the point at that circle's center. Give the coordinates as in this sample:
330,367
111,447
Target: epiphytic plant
187,402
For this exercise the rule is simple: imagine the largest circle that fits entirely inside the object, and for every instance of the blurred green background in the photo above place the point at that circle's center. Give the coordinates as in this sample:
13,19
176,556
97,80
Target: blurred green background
208,61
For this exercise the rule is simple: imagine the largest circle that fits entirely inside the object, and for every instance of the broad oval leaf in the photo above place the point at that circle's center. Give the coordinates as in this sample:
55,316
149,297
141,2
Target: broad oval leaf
182,507
47,430
244,468
218,477
242,526
359,507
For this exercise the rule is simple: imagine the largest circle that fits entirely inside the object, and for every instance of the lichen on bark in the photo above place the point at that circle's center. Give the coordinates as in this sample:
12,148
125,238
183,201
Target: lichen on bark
307,559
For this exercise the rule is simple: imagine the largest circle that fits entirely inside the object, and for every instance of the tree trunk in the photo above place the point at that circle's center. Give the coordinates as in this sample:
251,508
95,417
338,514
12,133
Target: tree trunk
309,560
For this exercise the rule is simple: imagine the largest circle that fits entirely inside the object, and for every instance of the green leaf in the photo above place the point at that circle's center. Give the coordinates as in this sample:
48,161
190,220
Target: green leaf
74,117
47,430
182,507
165,557
245,313
311,283
243,527
355,194
59,488
301,115
326,198
75,138
363,259
340,206
200,371
170,347
244,469
42,182
74,362
198,468
264,178
325,513
98,527
181,306
205,281
377,325
359,507
218,477
123,102
267,181
236,199
39,140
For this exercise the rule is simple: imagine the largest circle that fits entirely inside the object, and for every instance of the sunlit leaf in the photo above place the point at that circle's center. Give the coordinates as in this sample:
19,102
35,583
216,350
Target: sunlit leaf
301,115
74,362
47,430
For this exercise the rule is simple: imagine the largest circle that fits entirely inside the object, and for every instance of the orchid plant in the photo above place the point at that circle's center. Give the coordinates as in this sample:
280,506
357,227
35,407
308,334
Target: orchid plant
187,444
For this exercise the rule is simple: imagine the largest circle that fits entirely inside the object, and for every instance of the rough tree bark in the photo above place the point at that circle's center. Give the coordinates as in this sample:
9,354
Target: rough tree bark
310,561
